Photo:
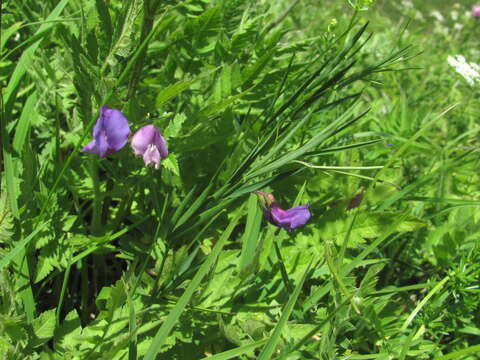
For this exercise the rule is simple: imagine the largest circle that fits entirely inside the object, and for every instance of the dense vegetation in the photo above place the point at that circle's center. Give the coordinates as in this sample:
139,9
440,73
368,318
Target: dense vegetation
362,110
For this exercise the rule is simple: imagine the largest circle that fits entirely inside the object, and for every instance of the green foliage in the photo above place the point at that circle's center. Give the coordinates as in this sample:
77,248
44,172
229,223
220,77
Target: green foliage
6,219
103,258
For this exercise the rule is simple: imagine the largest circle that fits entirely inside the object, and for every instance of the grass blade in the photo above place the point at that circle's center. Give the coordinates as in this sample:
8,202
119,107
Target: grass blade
173,316
269,349
250,236
234,353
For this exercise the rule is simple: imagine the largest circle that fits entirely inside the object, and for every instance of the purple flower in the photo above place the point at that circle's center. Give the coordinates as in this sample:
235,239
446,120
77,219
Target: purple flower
476,11
110,133
287,219
149,143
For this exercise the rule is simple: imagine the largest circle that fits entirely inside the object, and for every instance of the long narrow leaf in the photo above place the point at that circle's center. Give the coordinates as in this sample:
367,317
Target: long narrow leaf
269,349
173,316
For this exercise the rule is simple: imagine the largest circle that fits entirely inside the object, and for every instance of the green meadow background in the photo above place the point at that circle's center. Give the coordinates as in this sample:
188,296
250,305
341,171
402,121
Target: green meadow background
350,106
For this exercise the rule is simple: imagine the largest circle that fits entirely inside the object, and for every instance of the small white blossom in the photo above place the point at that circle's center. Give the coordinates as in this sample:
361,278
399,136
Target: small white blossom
437,15
469,71
408,4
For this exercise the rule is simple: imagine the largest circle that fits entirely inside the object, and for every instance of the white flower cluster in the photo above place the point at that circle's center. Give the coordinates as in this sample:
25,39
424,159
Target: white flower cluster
408,4
470,71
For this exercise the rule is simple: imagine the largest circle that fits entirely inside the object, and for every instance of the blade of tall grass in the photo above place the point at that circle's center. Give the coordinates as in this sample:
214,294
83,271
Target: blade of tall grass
269,349
194,206
11,179
258,185
179,307
419,133
424,301
338,167
235,353
338,278
250,236
369,178
421,181
460,353
406,344
23,125
61,298
132,328
283,269
443,200
311,333
336,126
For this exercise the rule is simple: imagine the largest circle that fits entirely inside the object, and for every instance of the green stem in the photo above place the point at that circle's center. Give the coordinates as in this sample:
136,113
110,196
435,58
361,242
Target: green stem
97,199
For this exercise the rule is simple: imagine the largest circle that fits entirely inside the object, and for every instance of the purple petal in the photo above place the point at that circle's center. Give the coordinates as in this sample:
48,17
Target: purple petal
142,138
90,147
152,156
99,125
116,128
289,219
161,145
101,144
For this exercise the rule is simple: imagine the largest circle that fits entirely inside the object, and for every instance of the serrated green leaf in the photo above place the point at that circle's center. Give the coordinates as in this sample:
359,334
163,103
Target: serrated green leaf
174,127
45,264
66,336
43,327
13,327
171,164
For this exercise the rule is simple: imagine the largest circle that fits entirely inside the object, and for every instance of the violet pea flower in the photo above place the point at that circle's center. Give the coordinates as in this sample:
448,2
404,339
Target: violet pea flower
150,144
289,219
110,133
476,11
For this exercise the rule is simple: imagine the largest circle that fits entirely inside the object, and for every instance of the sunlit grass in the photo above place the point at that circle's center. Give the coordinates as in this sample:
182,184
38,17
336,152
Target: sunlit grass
357,114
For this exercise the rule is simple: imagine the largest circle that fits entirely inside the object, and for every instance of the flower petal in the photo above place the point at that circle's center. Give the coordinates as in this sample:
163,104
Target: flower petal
142,138
101,144
290,219
116,128
152,156
91,147
161,144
